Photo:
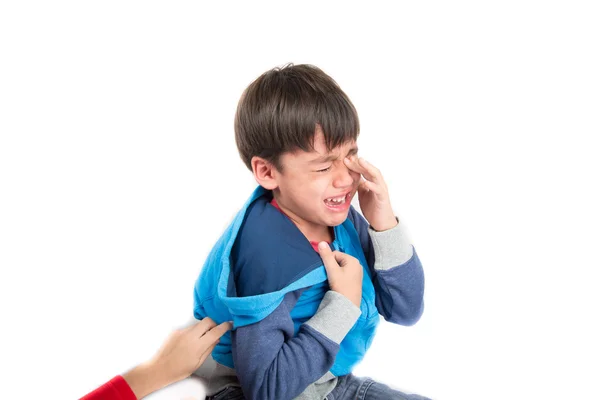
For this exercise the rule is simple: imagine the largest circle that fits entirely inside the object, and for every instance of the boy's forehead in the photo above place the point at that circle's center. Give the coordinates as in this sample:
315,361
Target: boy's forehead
321,153
320,147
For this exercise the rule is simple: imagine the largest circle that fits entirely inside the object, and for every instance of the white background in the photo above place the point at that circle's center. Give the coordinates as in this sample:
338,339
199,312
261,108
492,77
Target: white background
118,171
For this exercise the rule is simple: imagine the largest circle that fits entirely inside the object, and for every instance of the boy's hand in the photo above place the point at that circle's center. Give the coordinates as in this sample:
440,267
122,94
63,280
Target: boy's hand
373,195
344,273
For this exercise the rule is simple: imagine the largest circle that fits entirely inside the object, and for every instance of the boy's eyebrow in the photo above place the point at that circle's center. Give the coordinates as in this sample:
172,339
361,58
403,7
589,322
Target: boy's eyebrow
331,157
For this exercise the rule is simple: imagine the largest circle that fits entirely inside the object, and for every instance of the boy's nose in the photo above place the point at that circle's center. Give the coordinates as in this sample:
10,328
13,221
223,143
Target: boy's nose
343,177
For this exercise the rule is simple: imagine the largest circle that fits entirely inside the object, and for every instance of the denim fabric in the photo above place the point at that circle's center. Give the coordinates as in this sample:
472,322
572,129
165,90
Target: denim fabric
229,393
351,387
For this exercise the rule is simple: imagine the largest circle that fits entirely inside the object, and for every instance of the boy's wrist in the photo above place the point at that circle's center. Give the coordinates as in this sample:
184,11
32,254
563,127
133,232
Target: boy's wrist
386,225
335,317
392,247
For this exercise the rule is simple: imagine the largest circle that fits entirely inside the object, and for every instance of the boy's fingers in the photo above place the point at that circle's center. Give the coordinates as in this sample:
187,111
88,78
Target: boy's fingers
353,164
362,186
327,256
370,186
361,166
372,171
342,258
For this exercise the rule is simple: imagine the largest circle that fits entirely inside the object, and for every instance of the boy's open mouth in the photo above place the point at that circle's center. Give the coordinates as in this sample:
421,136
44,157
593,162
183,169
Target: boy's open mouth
339,203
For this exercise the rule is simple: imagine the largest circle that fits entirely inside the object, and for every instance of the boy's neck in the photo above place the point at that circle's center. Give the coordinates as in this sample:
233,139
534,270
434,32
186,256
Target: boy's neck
313,232
324,235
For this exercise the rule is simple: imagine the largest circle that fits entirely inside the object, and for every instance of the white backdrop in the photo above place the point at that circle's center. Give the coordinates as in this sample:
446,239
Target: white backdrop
118,171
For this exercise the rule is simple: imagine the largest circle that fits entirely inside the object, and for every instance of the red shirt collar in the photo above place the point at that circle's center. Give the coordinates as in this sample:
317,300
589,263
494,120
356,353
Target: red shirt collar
315,245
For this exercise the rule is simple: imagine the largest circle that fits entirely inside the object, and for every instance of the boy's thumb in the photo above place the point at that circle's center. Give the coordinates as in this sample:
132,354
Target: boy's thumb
327,257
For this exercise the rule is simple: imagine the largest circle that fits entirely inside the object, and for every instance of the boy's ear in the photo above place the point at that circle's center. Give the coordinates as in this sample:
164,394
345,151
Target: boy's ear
264,173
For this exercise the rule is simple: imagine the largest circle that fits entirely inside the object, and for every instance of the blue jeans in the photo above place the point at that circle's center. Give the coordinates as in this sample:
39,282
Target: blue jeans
229,393
349,387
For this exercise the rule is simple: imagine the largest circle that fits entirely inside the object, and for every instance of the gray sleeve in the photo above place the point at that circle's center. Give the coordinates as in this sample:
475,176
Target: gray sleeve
335,317
391,247
396,270
273,363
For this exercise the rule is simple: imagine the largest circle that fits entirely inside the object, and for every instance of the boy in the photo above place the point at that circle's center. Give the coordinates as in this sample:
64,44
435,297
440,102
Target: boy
297,335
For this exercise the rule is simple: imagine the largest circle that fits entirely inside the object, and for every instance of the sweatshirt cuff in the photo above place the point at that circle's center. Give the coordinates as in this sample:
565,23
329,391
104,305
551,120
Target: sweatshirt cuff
392,247
335,317
117,388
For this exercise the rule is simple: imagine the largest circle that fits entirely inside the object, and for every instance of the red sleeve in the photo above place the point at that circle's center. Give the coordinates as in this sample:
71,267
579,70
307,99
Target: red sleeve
115,389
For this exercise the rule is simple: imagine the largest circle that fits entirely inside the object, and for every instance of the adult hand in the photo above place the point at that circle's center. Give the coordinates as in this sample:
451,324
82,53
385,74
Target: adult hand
181,354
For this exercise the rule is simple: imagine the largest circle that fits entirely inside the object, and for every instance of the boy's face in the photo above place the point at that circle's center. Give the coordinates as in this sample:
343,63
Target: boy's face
315,188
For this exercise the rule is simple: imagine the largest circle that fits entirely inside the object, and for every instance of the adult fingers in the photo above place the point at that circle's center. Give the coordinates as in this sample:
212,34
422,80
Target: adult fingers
212,337
202,327
215,333
202,356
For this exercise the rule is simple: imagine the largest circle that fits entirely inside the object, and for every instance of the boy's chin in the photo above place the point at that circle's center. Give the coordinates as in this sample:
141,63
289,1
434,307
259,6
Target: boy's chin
337,219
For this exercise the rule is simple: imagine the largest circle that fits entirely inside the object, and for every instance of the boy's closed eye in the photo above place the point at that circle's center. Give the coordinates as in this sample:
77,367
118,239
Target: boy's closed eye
324,169
352,154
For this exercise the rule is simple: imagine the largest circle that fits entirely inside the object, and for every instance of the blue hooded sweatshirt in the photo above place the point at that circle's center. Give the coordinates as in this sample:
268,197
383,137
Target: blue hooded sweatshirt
263,269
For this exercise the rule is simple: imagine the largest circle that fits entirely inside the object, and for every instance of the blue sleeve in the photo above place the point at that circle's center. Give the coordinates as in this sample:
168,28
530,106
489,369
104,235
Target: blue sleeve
400,287
273,363
399,292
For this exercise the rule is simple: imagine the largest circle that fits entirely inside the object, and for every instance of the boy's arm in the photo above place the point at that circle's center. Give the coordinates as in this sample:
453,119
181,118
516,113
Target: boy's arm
396,271
272,363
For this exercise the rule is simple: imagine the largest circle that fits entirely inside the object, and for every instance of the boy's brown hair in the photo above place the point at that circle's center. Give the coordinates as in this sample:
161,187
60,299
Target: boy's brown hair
279,112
